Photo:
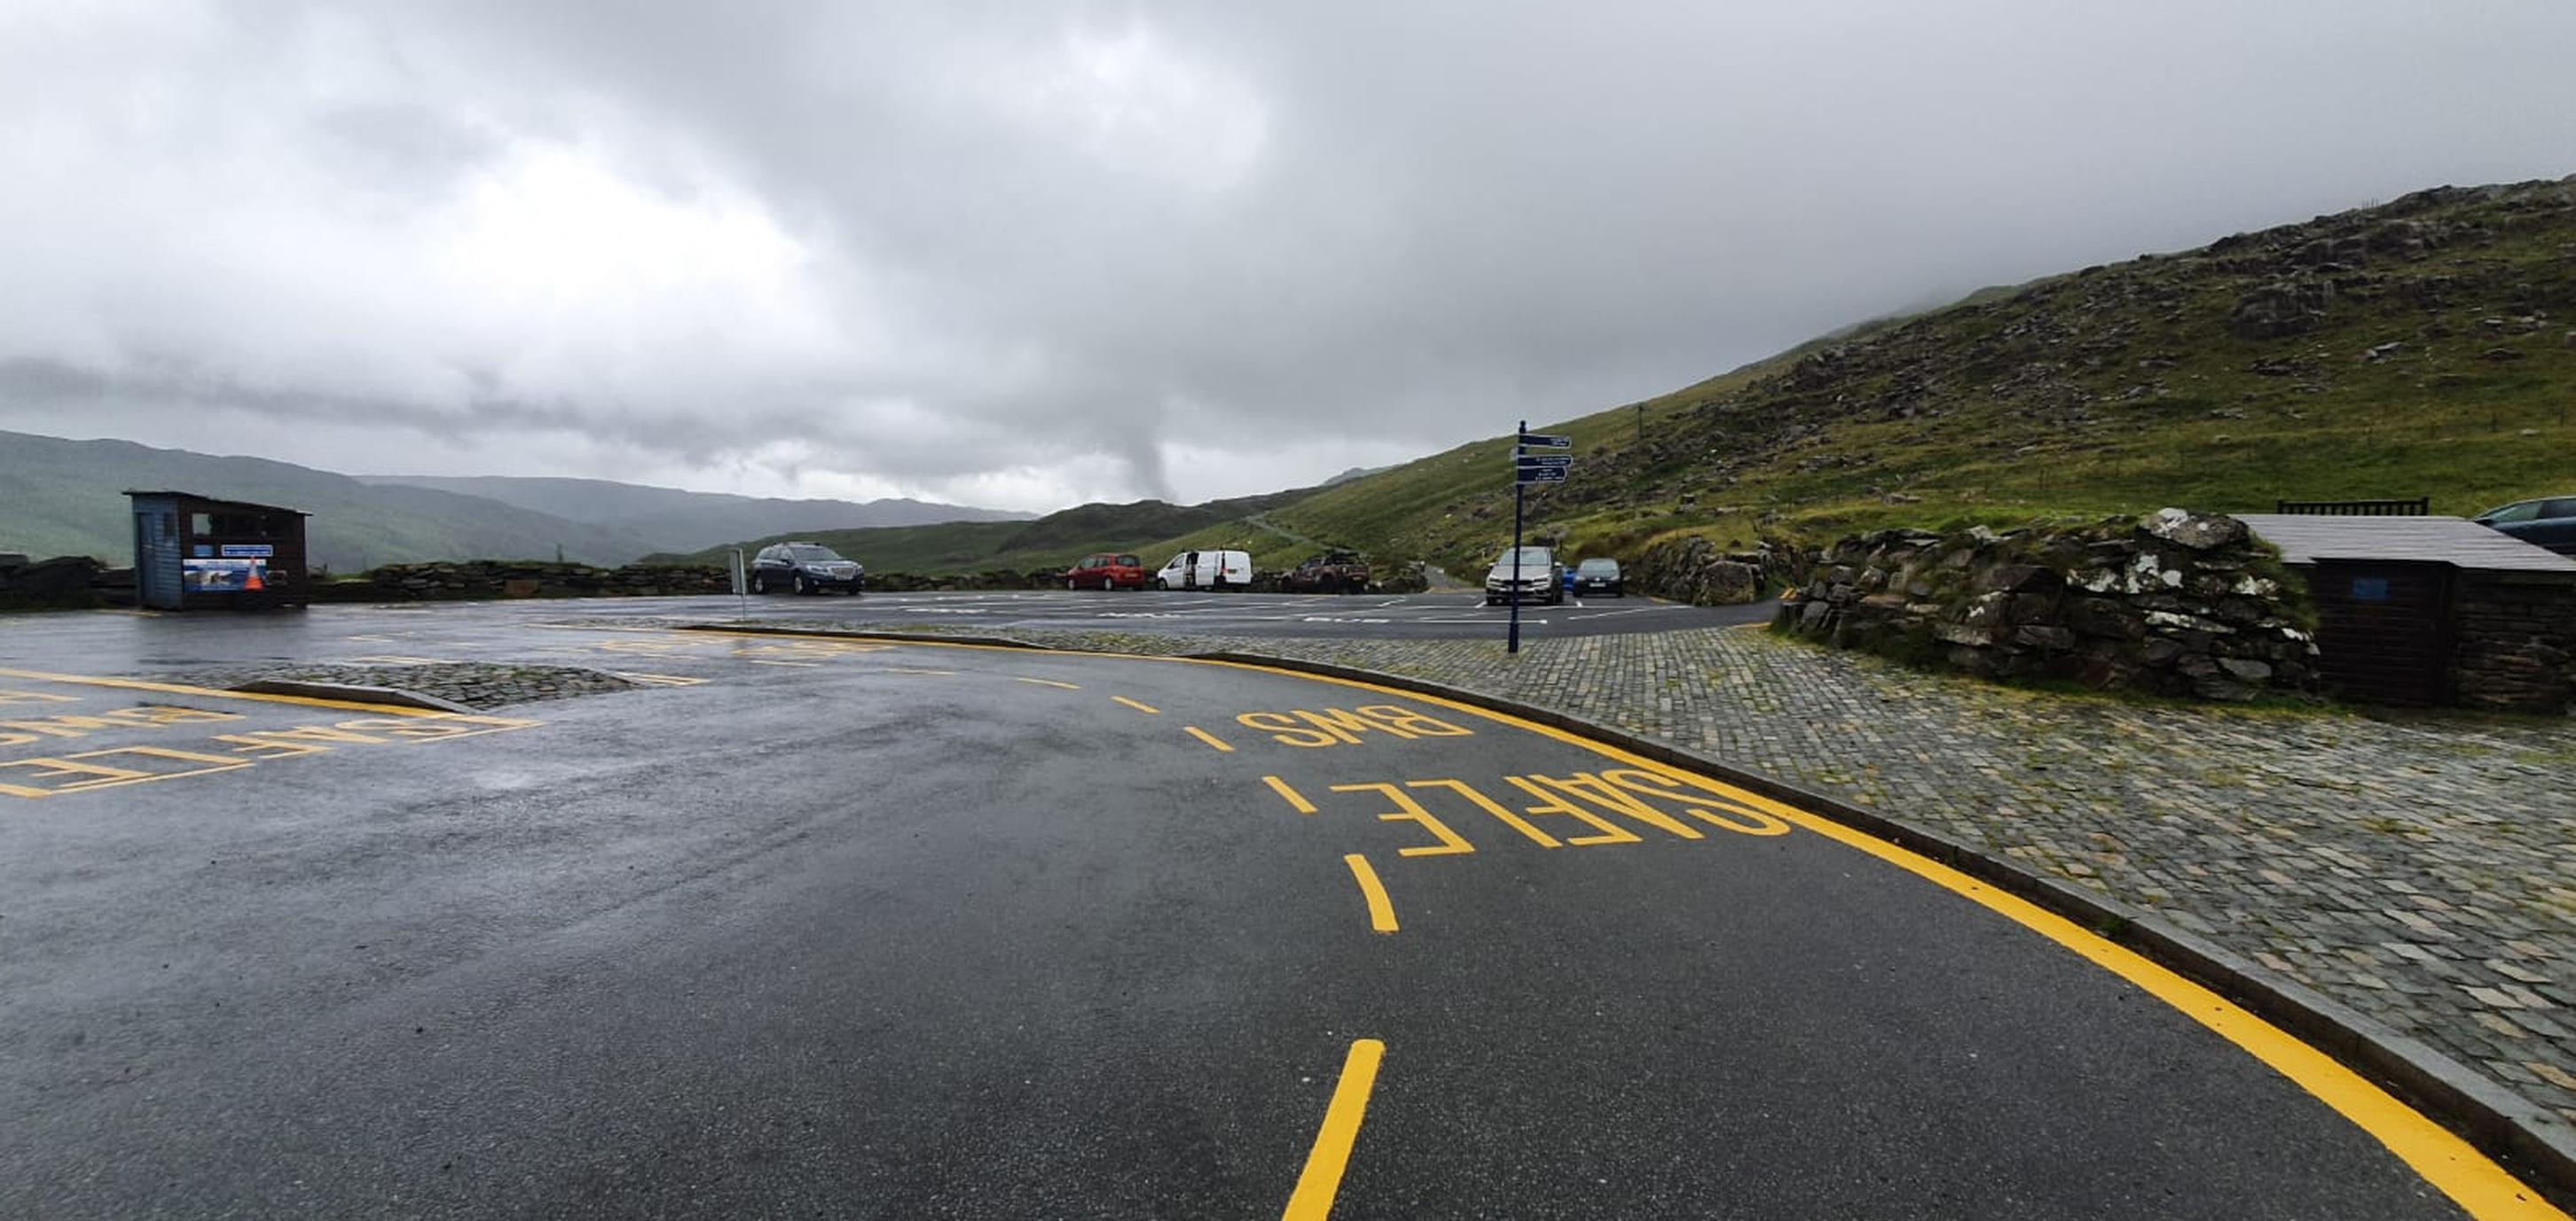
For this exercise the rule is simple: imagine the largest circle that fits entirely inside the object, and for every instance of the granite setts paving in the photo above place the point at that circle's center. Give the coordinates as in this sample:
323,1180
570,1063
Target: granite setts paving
2420,868
471,683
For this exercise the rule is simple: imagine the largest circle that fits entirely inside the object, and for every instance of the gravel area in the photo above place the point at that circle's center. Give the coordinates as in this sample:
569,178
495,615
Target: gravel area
2418,867
473,684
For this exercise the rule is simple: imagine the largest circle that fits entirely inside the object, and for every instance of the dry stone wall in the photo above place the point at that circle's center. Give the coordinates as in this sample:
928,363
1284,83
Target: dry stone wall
1694,570
2178,603
516,579
2516,647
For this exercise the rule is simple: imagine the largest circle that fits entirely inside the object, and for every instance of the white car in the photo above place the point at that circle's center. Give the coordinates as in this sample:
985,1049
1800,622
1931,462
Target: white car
1206,570
1542,579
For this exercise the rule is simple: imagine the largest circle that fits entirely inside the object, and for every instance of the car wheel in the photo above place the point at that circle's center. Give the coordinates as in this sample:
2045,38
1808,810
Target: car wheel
759,584
803,586
1069,585
1163,585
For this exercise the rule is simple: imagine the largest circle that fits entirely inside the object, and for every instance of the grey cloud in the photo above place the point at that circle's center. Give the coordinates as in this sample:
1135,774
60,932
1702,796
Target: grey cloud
1059,237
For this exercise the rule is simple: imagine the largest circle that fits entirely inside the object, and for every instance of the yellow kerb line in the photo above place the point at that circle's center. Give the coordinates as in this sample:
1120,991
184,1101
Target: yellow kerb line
1209,738
1381,911
1147,709
1313,1199
2476,1183
1295,800
309,701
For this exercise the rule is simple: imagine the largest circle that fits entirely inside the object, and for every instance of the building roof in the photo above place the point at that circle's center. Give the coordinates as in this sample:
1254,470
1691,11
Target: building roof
2456,541
239,504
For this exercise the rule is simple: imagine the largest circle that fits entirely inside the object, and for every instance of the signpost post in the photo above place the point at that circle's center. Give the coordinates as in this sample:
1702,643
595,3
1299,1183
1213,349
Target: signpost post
1529,468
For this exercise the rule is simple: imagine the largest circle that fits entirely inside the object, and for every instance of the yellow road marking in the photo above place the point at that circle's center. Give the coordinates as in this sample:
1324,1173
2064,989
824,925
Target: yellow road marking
1296,800
1147,709
1046,682
1313,1199
1209,738
657,680
801,665
136,684
907,670
2476,1183
1381,911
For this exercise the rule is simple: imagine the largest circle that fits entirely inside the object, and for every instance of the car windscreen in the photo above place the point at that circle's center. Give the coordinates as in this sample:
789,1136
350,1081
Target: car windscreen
812,554
1529,556
1601,568
1129,561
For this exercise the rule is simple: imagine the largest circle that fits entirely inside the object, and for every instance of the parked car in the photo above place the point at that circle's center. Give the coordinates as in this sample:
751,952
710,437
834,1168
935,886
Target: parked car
1107,570
1334,572
807,568
2549,522
1206,570
1598,575
1541,578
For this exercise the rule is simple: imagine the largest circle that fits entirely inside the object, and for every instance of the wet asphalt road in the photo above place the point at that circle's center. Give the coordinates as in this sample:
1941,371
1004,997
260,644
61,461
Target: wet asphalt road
844,929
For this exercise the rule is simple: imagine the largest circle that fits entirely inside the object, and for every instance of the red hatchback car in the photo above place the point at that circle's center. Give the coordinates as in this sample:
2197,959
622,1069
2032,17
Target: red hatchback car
1107,571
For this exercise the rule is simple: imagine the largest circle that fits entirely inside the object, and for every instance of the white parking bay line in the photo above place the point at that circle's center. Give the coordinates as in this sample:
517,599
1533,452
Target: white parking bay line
1633,610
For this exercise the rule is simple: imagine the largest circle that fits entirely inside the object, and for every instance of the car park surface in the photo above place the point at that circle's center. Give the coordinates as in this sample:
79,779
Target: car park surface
823,930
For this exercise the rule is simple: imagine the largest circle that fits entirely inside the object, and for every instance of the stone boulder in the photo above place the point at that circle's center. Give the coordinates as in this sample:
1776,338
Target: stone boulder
2282,308
2198,531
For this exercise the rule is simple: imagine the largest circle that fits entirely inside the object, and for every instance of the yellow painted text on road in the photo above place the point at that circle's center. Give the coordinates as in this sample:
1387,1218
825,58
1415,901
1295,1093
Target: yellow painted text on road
1614,806
36,697
1343,727
1408,810
80,771
149,716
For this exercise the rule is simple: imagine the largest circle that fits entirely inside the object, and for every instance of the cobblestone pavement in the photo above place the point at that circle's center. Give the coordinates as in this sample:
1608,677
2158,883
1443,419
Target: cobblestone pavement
2420,868
473,684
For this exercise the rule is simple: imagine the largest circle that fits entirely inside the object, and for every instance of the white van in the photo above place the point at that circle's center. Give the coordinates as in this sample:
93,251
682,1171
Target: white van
1206,570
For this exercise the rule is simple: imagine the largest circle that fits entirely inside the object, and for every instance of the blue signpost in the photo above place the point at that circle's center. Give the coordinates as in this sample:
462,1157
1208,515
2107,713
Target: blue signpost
1529,468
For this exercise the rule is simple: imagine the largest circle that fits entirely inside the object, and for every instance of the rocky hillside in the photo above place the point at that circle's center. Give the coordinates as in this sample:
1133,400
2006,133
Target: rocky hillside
2426,346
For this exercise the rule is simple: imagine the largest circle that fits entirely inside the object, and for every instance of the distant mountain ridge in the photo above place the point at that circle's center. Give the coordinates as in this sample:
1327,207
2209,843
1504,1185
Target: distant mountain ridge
678,520
65,497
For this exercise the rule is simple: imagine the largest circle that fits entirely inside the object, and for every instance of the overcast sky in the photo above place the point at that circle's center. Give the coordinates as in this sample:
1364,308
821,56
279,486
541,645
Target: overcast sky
1025,255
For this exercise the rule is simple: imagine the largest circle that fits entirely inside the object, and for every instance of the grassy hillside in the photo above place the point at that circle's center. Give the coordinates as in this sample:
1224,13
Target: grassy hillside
60,497
1053,541
677,520
2422,348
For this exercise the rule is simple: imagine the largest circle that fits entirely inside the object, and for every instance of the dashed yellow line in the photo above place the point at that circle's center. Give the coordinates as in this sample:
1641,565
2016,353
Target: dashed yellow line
1209,738
1046,682
1295,799
2475,1182
1381,909
1322,1179
1147,709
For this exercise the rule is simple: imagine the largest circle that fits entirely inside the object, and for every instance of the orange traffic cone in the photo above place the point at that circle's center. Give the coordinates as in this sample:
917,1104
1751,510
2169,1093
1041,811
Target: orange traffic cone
254,581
